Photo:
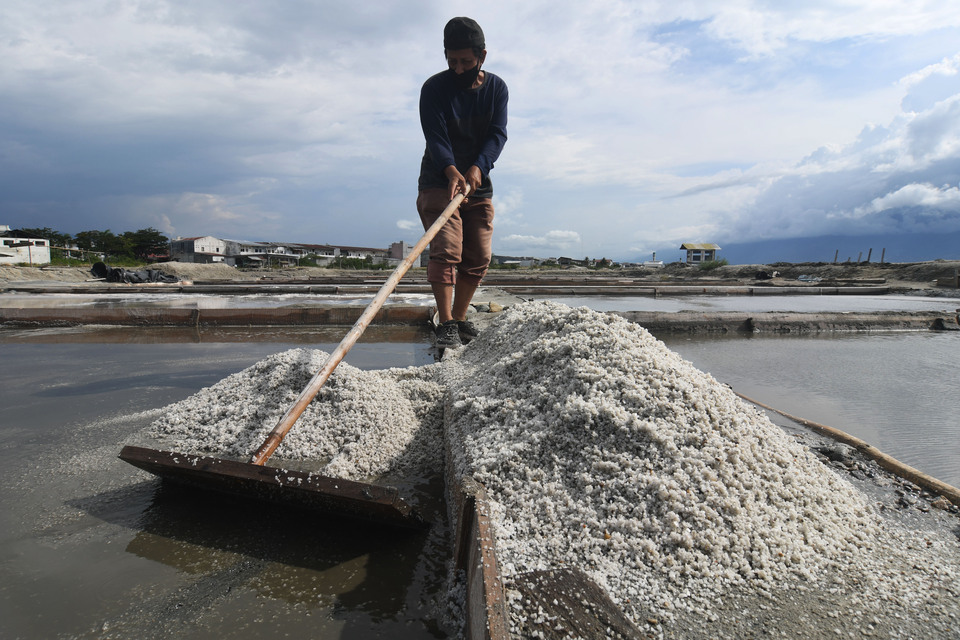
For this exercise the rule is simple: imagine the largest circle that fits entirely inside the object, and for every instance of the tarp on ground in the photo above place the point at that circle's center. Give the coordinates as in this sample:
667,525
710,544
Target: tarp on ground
116,274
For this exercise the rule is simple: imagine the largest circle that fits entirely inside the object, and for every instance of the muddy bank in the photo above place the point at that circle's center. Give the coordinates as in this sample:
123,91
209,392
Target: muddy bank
914,275
792,323
319,315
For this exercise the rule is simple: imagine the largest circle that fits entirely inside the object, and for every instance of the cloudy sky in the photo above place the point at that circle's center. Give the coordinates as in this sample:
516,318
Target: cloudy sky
633,125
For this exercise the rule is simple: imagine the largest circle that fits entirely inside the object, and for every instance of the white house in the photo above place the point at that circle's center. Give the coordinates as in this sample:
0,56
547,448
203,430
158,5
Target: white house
242,253
16,248
205,249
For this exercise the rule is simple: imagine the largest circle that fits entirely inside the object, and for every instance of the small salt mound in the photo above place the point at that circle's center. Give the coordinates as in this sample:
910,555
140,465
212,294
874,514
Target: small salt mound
361,424
604,450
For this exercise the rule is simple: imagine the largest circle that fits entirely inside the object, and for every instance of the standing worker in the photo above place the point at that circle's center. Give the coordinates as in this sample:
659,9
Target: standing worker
463,113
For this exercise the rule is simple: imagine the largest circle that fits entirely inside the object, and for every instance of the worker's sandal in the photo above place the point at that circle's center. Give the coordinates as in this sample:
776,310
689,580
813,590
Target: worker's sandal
448,335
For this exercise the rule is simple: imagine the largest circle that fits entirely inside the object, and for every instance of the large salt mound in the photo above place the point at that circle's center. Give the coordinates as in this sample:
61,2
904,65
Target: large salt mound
601,449
361,424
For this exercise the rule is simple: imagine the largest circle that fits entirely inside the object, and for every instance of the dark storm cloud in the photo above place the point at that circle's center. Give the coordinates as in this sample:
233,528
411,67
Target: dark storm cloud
298,118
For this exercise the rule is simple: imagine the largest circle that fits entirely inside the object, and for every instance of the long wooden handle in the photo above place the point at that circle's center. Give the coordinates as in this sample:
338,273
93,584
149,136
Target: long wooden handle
313,387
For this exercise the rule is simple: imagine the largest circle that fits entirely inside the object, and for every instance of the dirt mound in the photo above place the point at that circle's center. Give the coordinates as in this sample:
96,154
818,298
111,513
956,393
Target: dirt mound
908,275
220,271
183,270
192,271
44,274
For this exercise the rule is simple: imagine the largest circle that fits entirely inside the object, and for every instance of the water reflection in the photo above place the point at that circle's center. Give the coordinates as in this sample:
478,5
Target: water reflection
395,335
91,550
897,391
297,556
200,301
230,554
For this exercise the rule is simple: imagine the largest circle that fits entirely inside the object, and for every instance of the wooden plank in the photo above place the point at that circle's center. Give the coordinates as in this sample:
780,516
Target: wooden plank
476,555
302,489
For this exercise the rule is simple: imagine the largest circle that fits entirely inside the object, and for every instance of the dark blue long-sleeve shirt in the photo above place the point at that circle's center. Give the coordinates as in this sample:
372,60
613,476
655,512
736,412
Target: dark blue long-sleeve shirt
462,127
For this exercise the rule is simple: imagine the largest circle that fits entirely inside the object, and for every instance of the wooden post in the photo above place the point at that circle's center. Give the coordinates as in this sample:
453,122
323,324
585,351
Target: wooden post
835,256
882,254
859,256
869,253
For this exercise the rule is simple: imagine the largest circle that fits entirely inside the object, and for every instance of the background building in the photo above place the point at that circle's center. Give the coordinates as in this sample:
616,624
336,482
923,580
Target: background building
17,247
205,249
699,252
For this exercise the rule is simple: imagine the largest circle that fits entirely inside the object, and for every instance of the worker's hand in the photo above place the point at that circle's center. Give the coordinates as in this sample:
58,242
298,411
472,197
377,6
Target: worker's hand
473,178
457,183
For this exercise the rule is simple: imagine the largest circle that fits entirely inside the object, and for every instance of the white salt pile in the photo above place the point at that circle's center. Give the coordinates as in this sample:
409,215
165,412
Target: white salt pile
601,449
362,423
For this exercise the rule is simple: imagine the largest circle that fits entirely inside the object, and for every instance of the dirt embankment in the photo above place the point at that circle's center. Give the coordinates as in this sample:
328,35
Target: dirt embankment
905,275
920,277
913,273
182,270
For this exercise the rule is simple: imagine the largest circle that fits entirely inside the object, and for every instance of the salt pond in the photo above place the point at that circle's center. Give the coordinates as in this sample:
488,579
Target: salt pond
760,304
92,548
118,557
197,301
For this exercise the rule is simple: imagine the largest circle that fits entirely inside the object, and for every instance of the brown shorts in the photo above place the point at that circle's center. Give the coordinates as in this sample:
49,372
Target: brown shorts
462,248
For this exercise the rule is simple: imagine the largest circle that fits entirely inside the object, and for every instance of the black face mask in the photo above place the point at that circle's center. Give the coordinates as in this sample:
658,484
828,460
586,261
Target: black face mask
466,79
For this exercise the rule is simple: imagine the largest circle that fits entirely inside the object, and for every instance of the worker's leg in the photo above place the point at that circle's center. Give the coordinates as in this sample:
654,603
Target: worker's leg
477,222
463,295
445,249
443,295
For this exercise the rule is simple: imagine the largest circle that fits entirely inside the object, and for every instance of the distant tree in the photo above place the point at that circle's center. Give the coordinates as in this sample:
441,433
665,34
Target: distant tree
56,238
105,242
87,240
146,242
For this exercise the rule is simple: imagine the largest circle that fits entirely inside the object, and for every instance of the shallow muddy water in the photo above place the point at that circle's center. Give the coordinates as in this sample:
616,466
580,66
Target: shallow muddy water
759,304
92,548
199,301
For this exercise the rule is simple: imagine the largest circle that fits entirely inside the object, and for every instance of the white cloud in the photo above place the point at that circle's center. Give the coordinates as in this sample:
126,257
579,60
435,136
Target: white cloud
943,200
177,215
507,206
883,182
763,28
643,124
556,239
947,67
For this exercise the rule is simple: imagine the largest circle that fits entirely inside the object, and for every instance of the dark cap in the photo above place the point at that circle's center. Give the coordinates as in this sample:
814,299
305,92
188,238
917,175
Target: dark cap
462,33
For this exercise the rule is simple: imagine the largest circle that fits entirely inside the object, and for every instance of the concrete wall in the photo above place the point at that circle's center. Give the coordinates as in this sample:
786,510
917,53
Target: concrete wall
32,252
